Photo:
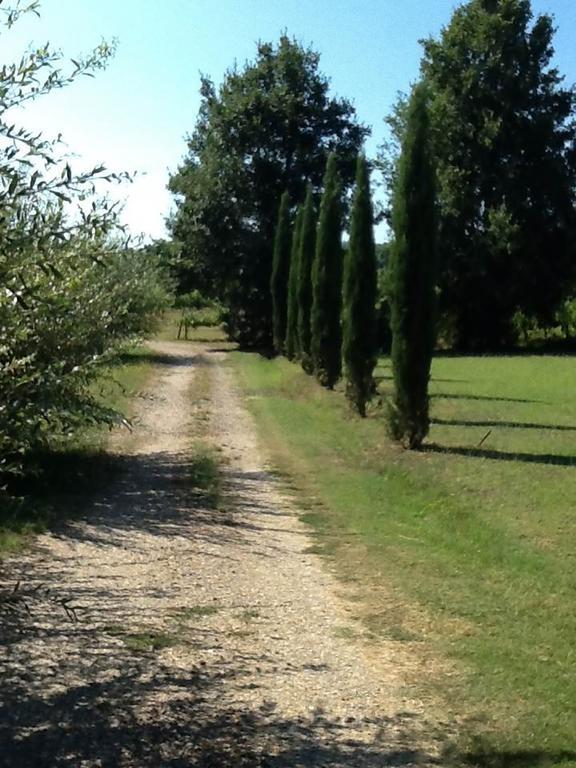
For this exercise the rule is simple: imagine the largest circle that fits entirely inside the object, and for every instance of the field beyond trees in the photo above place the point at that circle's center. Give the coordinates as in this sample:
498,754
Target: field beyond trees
472,537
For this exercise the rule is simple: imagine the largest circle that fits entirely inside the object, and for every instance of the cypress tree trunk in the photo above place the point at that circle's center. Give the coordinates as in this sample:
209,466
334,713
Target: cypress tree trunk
307,247
326,341
280,274
412,278
291,346
359,347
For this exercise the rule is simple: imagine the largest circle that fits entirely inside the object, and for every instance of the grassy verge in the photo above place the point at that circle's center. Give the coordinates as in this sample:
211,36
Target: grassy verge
211,333
73,467
465,550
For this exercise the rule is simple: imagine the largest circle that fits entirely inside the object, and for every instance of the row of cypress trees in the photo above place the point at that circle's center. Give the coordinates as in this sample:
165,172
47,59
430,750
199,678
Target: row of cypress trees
324,301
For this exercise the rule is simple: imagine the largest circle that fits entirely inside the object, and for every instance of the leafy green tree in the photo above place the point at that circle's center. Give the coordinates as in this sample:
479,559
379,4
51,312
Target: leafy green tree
412,278
72,292
307,250
505,146
280,273
326,340
504,141
267,129
292,346
359,329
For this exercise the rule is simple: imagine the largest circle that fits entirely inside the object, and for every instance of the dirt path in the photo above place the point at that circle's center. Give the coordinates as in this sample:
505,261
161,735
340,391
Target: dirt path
206,637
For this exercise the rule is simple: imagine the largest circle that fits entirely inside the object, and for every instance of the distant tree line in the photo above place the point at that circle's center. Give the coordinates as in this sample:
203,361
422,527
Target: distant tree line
503,139
266,130
481,175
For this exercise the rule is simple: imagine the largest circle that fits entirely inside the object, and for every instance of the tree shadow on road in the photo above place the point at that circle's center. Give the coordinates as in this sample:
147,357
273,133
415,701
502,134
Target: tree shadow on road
113,708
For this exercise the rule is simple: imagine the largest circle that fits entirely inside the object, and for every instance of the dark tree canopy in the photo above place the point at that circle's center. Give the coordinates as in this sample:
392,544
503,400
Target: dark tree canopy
292,345
306,259
326,341
412,272
359,346
280,273
504,140
267,129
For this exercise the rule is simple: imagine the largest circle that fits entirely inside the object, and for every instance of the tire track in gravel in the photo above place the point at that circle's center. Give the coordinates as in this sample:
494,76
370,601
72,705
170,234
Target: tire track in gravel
207,636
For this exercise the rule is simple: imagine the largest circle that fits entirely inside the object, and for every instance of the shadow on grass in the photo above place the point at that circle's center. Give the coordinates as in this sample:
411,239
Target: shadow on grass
433,380
55,488
231,348
549,459
506,424
65,486
552,347
486,758
176,361
448,396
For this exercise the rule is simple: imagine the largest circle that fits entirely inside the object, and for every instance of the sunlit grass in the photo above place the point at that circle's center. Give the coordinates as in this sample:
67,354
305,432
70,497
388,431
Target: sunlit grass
473,538
212,333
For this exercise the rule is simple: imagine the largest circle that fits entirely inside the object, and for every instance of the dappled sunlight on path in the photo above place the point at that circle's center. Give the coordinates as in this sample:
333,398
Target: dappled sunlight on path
207,633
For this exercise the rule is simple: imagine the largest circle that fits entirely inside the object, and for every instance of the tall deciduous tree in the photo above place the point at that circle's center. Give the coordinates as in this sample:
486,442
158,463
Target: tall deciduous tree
268,128
360,347
505,146
292,346
307,249
280,273
412,278
326,341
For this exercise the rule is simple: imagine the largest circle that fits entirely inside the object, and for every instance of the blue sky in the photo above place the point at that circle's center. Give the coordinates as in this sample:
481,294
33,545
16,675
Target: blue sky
135,115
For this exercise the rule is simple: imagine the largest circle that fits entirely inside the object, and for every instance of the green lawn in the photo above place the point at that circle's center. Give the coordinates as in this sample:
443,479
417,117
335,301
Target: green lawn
465,550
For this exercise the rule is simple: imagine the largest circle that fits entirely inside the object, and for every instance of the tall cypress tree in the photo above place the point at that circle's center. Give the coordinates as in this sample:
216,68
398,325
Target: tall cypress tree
359,347
412,277
291,345
280,273
307,248
326,341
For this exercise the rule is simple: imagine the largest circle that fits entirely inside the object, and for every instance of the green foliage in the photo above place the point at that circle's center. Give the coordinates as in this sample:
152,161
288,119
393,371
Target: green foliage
192,300
412,272
291,346
197,311
326,341
266,130
504,137
306,259
383,332
72,292
280,274
167,253
359,347
566,317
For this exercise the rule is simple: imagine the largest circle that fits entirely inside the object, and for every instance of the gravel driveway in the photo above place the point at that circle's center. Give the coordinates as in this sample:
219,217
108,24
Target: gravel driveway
206,635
